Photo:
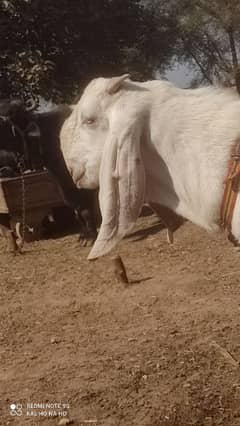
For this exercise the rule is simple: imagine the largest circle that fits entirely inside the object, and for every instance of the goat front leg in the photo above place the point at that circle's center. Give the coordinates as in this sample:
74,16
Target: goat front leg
88,227
171,220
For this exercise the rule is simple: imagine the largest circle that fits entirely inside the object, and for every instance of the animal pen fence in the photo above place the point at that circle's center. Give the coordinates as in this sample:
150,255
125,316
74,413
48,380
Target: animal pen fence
24,202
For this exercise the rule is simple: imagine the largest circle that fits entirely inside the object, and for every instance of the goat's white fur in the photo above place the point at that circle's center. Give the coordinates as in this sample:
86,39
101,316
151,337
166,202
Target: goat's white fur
152,142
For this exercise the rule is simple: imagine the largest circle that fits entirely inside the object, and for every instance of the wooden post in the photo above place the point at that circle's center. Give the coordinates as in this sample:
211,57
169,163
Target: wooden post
120,270
10,239
8,233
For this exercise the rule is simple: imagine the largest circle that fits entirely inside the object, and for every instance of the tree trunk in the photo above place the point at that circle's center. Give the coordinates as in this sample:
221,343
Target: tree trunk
201,67
233,47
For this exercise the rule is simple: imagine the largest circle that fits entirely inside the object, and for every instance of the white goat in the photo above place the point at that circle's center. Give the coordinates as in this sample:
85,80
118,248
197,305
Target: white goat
152,142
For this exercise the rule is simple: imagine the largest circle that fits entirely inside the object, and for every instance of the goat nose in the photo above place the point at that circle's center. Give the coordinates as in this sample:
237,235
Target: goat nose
70,165
70,168
75,169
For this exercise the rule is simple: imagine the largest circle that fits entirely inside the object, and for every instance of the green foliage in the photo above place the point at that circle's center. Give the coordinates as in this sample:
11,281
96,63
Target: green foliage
209,37
54,47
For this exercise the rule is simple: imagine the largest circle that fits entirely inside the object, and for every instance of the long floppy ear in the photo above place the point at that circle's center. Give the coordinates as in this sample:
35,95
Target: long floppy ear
122,187
115,83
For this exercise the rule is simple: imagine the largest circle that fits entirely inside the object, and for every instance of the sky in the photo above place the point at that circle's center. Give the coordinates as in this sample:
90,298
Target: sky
180,75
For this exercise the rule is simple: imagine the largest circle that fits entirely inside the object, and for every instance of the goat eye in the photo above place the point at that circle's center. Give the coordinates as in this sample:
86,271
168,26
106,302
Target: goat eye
90,121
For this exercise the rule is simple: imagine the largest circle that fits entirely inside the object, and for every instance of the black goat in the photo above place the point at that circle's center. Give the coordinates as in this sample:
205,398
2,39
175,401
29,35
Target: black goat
31,140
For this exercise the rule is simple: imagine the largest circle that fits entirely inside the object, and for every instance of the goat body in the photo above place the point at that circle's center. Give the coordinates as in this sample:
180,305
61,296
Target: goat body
152,142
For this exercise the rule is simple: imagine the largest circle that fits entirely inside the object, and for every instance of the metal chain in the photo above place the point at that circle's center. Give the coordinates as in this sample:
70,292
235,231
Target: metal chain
23,218
22,134
21,167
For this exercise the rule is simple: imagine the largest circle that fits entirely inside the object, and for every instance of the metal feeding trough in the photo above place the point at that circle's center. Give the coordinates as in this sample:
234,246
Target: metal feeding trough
24,202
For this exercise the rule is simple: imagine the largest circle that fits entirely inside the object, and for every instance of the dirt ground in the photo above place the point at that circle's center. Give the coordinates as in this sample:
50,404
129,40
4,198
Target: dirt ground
163,351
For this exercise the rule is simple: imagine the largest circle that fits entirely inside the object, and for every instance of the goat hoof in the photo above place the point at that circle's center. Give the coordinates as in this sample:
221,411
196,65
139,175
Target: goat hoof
86,240
170,236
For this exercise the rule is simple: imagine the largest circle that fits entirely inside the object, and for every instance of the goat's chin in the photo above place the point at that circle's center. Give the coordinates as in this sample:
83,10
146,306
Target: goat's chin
87,183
